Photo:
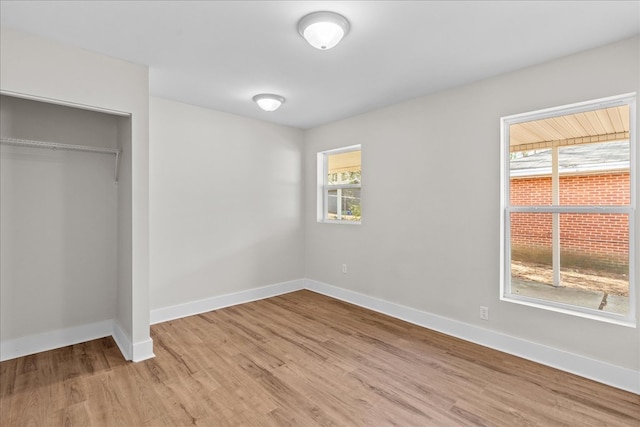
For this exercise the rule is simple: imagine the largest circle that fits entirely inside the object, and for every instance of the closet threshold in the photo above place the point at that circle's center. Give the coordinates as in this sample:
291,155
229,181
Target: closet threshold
59,146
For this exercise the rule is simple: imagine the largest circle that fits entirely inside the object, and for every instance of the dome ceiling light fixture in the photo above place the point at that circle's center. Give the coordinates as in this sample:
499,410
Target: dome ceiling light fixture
268,101
323,30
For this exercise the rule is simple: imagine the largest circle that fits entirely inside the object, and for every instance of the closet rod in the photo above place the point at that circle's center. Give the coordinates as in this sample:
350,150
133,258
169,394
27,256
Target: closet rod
59,146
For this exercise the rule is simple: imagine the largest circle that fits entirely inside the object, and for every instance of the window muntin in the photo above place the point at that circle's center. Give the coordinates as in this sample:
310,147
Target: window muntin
341,183
568,209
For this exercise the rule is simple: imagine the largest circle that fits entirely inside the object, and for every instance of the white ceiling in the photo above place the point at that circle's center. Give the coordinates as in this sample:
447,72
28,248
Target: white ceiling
219,54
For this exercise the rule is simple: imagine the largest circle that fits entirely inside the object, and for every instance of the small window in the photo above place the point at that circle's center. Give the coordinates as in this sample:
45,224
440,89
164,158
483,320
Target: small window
339,185
568,209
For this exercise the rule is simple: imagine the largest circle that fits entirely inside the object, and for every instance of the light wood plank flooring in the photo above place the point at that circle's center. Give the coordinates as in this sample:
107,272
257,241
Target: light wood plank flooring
300,359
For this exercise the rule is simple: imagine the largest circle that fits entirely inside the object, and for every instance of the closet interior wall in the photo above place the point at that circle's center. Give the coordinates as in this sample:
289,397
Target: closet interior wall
58,219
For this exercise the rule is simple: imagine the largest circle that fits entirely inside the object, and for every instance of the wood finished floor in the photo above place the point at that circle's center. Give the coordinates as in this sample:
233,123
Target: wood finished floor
300,359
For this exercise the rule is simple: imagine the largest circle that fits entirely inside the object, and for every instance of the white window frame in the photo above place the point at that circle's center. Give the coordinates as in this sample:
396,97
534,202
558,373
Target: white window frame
506,209
324,187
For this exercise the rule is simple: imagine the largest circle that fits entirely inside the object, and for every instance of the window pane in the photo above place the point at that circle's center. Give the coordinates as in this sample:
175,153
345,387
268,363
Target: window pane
530,183
344,204
344,168
595,174
530,162
332,205
594,259
532,191
531,250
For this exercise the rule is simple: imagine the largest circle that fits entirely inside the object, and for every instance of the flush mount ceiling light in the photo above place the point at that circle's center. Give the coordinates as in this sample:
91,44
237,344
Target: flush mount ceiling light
268,101
323,30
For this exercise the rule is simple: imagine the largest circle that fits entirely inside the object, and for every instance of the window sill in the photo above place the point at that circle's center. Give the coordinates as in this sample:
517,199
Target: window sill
571,310
333,221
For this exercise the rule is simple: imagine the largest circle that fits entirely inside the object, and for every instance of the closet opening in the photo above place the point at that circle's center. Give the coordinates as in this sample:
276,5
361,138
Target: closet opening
65,225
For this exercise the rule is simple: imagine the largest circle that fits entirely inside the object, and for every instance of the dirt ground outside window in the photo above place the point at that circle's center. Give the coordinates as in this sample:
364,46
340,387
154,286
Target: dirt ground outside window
590,280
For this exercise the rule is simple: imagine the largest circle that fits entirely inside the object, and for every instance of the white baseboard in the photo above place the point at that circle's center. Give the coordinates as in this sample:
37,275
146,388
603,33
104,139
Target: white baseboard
214,303
137,352
143,350
10,349
122,341
615,376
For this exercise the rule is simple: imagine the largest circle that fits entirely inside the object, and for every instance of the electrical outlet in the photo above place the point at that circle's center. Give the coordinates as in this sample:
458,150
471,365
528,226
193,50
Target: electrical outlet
484,312
344,268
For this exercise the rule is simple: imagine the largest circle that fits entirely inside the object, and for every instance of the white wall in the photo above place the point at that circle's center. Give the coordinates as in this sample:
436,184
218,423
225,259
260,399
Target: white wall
39,68
58,220
430,231
225,203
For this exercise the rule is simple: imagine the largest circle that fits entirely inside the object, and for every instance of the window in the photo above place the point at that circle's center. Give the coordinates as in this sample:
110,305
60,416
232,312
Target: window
339,185
568,209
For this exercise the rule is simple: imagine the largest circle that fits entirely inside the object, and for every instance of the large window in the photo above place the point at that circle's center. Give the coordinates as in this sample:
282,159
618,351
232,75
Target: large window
339,185
568,206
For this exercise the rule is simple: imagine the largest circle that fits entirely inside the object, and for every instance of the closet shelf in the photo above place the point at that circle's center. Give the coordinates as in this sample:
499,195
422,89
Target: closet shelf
58,146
